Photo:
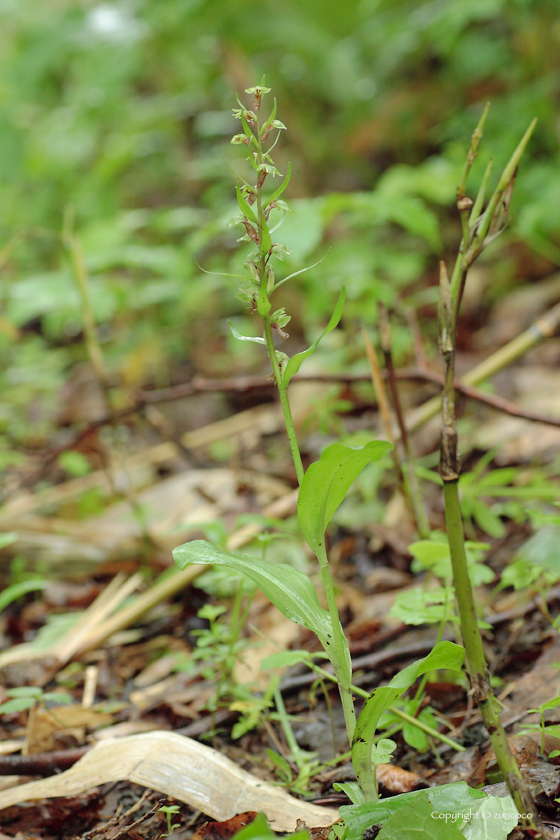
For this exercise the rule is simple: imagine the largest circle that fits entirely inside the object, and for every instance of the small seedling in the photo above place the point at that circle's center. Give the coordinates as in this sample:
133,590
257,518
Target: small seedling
541,727
170,811
25,697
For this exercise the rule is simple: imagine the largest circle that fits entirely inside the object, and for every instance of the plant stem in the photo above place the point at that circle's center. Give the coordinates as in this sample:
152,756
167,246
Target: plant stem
337,647
478,674
265,314
476,233
339,653
284,401
412,487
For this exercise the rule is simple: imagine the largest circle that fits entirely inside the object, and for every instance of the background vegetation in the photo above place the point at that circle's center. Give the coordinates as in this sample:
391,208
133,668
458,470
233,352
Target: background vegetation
121,112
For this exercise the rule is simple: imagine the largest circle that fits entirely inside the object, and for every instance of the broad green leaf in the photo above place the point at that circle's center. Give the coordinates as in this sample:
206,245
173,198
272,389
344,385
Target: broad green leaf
277,193
445,798
326,482
492,819
444,655
296,361
288,588
419,821
245,207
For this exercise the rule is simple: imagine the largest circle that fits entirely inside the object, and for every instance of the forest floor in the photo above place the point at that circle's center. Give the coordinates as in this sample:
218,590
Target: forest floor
103,643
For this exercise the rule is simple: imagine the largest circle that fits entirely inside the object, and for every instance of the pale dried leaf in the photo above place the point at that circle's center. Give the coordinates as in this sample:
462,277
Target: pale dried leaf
181,768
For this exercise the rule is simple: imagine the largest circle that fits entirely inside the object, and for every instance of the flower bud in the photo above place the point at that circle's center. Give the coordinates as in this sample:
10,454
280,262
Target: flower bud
251,231
269,279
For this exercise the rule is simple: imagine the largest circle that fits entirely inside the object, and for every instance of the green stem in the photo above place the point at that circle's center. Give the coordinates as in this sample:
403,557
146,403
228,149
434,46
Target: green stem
284,401
265,314
477,669
476,661
338,651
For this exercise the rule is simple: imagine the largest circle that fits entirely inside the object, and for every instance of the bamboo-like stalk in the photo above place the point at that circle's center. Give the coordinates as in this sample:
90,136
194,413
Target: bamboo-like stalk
412,486
479,227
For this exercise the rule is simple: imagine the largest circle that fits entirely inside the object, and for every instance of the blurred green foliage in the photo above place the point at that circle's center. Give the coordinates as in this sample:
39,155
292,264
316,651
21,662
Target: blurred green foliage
122,110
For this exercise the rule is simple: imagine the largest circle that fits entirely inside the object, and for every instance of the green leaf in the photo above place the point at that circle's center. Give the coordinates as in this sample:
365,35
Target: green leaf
352,790
59,697
542,548
487,520
26,691
520,574
255,339
296,361
326,482
289,589
418,606
281,764
492,819
245,207
289,658
545,707
445,798
419,822
17,590
7,538
444,655
270,120
382,751
277,193
18,704
260,830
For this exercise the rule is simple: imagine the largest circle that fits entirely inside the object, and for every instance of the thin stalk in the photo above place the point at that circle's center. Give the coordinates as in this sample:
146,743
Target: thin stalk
338,651
384,409
265,314
284,401
476,234
74,248
293,746
479,678
412,486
